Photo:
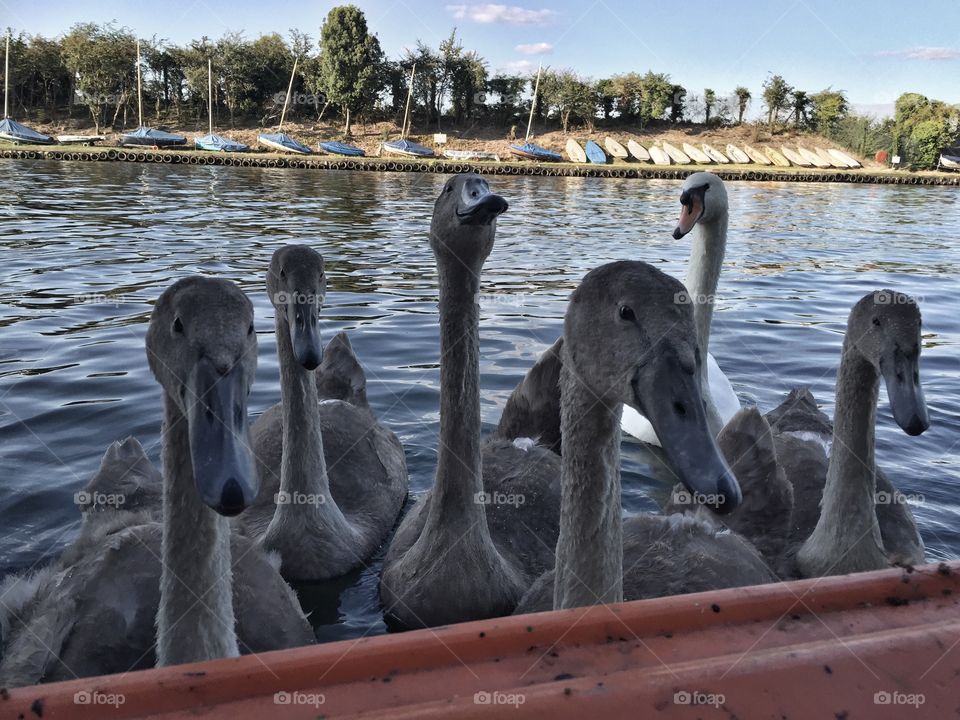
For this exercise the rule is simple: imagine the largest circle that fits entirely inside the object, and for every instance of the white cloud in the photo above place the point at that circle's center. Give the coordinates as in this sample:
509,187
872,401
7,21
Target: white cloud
923,53
540,48
520,67
508,15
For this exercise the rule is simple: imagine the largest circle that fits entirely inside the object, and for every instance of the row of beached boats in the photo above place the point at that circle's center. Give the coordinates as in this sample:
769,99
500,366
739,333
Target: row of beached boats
667,154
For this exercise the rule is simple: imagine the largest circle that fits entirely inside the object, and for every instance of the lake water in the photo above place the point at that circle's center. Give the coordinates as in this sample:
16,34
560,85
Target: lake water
87,247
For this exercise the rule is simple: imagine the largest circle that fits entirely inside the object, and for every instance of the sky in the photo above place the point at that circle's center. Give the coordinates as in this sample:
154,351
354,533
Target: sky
872,50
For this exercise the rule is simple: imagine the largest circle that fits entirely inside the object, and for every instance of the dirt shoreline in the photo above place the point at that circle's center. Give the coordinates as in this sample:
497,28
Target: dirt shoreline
620,169
486,138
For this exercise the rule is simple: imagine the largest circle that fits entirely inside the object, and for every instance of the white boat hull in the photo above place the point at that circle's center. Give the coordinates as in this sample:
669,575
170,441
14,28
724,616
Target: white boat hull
676,154
697,155
638,151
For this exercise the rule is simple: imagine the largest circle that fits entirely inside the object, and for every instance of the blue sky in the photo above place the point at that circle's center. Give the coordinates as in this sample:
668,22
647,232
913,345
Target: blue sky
873,50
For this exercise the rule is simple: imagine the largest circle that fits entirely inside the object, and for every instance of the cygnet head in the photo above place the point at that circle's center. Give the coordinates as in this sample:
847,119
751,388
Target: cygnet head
297,287
884,326
630,338
465,220
202,349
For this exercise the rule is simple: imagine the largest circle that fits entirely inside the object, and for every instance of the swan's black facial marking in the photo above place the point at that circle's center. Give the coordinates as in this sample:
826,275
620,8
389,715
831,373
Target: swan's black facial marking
694,205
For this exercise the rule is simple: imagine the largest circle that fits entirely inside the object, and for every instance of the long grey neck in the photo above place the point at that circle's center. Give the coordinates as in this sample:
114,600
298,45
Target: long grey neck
847,532
703,277
454,502
304,483
590,546
195,620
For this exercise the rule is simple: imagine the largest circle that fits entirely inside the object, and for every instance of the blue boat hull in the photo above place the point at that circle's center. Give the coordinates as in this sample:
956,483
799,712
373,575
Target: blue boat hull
283,143
339,148
12,131
148,137
595,153
405,147
218,143
529,151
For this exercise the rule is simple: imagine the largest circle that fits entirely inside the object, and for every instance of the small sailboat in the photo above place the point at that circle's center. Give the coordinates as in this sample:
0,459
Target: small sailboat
844,158
828,158
279,140
813,157
676,154
407,148
595,153
758,157
737,155
615,149
211,141
144,136
715,154
403,146
530,151
638,151
776,158
10,130
470,155
949,159
575,151
80,139
338,148
696,154
658,156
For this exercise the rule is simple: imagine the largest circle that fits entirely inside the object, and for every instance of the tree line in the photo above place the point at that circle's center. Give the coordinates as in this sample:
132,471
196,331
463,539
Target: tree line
345,73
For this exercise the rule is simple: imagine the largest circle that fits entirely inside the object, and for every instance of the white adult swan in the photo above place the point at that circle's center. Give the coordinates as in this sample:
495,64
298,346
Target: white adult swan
333,479
125,594
627,340
473,544
704,210
533,408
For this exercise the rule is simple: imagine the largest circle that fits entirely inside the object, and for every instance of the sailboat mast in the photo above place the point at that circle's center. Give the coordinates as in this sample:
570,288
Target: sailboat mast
210,92
406,112
286,100
6,79
139,89
533,103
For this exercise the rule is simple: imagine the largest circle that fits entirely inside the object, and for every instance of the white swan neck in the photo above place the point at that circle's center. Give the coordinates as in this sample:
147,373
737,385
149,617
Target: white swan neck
589,568
707,251
195,620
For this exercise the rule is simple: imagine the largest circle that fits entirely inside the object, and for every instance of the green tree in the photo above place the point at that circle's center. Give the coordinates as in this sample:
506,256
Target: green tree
800,104
678,97
102,59
776,96
657,94
829,108
568,95
709,102
743,99
508,90
350,59
236,66
626,91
